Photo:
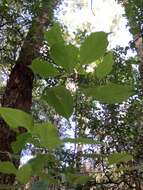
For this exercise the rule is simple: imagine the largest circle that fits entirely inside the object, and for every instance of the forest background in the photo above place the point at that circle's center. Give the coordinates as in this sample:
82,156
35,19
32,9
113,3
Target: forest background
58,82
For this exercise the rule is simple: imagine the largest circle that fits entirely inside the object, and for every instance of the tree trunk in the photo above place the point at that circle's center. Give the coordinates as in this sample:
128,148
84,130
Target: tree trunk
139,48
18,92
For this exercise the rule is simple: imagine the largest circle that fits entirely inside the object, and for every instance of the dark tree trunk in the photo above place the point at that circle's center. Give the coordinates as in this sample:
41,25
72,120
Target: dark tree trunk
139,48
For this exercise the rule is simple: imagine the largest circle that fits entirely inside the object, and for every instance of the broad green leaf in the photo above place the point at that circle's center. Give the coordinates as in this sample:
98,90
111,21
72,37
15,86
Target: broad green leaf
93,47
20,142
7,167
77,179
105,67
82,179
60,99
48,135
16,118
37,164
110,93
65,56
50,179
43,68
116,158
40,185
24,173
54,35
81,140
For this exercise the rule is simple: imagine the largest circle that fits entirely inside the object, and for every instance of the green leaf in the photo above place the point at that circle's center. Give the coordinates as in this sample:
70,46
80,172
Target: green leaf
43,68
77,179
54,35
81,140
93,47
20,142
105,67
110,93
60,99
24,173
65,56
16,118
116,158
82,179
7,167
50,179
48,135
40,185
37,164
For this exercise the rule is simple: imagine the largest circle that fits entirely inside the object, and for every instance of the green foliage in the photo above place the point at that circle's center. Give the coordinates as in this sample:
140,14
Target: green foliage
102,124
65,56
110,93
7,168
82,140
40,161
48,135
24,173
37,164
20,142
77,179
16,118
93,47
54,35
50,179
116,158
133,12
60,99
43,68
105,67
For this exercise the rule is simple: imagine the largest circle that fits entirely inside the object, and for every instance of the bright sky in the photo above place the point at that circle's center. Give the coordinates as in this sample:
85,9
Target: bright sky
102,15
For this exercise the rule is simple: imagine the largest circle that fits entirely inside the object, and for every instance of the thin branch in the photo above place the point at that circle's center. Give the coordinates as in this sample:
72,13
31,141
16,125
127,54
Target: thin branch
92,8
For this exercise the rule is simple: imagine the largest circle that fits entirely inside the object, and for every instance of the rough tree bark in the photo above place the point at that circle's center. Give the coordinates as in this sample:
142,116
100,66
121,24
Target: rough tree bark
18,93
139,48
